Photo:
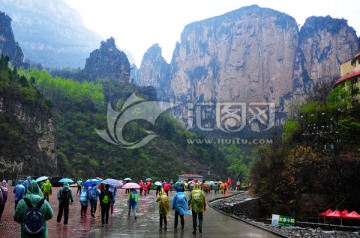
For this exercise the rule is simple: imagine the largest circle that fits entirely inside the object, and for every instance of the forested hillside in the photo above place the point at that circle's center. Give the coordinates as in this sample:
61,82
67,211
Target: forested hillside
80,107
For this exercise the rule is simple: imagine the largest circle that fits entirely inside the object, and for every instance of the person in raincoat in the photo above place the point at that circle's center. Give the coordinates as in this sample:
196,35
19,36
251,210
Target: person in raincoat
94,194
164,207
34,195
84,201
105,197
47,189
197,204
133,200
179,203
113,190
145,188
79,185
19,191
26,183
66,198
141,183
3,196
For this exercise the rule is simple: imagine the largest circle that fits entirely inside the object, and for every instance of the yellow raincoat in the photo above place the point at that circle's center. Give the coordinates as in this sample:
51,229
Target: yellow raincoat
163,203
197,200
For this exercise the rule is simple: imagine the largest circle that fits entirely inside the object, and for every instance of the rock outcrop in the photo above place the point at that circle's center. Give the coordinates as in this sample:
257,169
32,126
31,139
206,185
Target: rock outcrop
37,132
252,55
8,46
108,62
155,71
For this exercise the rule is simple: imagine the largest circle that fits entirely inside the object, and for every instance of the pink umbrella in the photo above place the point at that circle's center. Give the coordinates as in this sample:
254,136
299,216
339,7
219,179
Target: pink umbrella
131,185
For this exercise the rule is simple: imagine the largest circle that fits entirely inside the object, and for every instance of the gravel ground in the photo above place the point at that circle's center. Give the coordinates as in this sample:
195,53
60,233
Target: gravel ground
290,232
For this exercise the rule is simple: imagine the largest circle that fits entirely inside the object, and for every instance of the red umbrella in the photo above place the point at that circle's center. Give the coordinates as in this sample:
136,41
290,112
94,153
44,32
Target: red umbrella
324,214
352,215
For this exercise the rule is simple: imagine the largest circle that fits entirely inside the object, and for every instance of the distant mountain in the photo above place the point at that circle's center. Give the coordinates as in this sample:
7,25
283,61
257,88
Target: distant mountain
50,32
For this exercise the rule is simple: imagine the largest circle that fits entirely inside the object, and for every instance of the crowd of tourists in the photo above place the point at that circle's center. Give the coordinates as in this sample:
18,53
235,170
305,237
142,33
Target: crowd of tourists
32,207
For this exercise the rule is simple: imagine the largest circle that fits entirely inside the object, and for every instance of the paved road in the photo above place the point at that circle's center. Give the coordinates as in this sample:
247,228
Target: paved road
215,224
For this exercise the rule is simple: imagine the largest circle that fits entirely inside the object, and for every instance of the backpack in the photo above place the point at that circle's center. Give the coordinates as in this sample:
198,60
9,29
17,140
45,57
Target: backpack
83,196
132,197
93,194
34,225
197,198
65,194
105,199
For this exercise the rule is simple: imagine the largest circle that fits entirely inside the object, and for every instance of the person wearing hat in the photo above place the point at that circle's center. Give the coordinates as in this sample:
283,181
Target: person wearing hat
179,203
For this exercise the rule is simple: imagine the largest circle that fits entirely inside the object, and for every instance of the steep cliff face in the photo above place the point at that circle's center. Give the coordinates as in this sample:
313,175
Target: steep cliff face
34,131
108,62
254,55
8,45
244,56
155,71
326,43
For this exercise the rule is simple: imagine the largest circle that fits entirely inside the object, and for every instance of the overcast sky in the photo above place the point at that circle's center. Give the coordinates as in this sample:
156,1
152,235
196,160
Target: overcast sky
138,24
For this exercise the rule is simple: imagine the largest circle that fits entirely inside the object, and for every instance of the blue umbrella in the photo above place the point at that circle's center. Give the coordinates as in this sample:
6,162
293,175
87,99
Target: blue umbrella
90,182
112,182
148,179
66,180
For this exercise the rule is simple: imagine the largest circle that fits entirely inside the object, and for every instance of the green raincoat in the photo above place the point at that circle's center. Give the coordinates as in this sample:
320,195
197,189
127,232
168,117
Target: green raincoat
197,200
34,195
163,203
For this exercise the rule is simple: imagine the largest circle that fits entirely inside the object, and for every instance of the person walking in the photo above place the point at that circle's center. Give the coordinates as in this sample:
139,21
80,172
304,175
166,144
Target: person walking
167,188
66,198
79,185
145,188
47,189
113,190
133,200
26,183
164,208
105,197
19,191
141,183
179,203
84,201
94,194
3,197
34,225
197,204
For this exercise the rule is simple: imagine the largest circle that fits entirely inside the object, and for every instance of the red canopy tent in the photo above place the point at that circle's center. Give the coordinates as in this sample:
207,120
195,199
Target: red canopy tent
323,214
345,212
352,215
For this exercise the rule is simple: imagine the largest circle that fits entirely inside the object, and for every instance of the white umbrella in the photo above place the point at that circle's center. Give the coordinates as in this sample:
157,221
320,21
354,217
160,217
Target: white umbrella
42,178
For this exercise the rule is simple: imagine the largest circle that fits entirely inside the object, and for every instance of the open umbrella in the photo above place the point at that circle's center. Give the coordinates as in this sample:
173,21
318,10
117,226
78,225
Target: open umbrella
112,182
148,179
66,180
127,179
131,185
178,184
90,182
42,178
157,183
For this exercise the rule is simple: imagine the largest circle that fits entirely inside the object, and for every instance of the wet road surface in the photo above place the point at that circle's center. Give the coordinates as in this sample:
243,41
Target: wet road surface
215,224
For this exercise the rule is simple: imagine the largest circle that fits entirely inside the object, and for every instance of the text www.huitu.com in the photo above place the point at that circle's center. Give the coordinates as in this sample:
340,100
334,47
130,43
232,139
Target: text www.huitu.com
229,141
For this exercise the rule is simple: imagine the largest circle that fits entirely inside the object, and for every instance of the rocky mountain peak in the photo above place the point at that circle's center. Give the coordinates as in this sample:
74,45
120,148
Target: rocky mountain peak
8,45
108,62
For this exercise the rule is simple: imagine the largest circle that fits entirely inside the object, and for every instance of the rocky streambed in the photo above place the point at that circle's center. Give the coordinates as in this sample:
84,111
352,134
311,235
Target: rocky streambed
246,208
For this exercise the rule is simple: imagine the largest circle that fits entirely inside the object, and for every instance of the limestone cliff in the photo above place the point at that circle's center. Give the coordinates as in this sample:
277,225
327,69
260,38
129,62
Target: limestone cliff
108,62
253,55
8,45
34,130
